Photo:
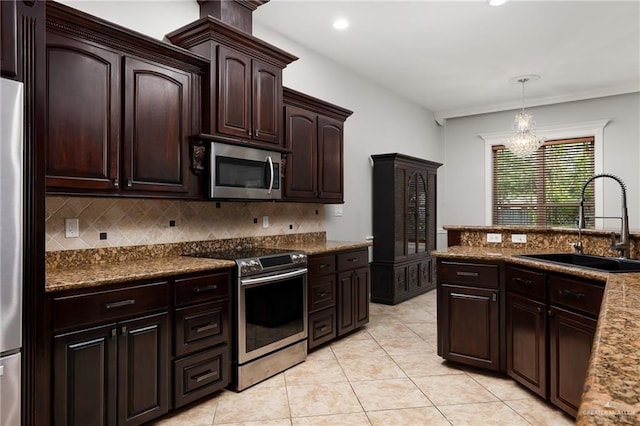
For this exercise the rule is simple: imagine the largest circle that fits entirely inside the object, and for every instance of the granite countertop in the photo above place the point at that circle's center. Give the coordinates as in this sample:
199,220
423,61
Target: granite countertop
612,386
83,276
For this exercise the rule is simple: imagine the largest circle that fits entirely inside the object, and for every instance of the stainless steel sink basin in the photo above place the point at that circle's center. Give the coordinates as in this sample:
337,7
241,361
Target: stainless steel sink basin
600,263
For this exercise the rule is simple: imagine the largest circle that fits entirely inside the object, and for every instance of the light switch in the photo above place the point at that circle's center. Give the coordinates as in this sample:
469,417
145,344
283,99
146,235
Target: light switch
494,238
519,238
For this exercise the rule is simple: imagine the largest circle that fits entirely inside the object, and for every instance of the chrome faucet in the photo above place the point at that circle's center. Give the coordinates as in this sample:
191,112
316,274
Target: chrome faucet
623,246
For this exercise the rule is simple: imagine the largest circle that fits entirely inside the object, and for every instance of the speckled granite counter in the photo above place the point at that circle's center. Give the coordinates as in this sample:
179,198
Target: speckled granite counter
612,387
76,273
96,275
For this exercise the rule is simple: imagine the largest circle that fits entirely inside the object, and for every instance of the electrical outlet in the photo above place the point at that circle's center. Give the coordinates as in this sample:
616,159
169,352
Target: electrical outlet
337,210
71,228
519,238
494,238
265,221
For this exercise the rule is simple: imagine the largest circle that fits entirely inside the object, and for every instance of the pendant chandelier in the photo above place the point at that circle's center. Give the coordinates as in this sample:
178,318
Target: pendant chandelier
524,142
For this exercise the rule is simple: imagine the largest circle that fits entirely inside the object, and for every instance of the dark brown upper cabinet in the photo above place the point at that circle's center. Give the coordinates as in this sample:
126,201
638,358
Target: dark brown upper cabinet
314,135
244,100
120,109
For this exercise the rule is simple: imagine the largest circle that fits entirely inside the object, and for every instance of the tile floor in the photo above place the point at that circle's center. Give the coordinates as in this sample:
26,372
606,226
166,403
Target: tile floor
387,373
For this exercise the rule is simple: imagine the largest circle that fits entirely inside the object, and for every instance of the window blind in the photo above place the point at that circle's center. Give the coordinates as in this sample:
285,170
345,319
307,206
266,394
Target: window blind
544,189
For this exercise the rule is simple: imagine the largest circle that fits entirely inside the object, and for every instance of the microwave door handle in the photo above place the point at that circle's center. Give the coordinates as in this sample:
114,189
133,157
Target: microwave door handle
270,174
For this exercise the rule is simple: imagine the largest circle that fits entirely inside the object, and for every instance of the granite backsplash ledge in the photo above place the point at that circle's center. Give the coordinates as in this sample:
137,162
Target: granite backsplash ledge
109,255
595,242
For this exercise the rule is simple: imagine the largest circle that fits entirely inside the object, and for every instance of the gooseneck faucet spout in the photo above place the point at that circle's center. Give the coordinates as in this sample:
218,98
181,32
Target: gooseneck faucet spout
623,246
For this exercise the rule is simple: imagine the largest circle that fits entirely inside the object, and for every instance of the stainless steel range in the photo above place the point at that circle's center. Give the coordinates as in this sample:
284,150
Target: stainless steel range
270,312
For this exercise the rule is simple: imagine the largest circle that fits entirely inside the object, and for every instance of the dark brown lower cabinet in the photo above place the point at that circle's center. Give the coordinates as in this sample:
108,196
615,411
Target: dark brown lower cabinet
526,327
570,339
468,325
353,300
112,374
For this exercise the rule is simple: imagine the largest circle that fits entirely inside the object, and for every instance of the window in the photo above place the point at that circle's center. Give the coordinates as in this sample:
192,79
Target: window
544,189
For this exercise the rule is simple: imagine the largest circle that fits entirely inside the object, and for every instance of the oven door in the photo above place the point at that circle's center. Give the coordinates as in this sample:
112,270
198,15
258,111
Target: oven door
272,313
242,172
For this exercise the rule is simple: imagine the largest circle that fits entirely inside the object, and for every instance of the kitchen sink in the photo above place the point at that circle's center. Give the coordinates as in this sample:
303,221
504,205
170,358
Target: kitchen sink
600,263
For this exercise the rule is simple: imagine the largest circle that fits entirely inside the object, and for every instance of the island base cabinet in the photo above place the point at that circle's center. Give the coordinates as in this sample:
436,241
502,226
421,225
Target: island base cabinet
112,374
468,326
570,339
526,343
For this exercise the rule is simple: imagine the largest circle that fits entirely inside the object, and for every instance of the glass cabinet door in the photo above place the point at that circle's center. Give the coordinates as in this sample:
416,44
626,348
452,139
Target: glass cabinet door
416,217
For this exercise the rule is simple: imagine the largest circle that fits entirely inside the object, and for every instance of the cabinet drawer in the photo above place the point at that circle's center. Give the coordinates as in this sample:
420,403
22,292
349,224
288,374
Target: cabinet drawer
201,374
201,326
580,295
322,293
322,327
321,265
353,260
202,288
475,274
107,305
525,281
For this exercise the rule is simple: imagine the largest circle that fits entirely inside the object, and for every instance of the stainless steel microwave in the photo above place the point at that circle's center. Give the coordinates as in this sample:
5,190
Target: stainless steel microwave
243,172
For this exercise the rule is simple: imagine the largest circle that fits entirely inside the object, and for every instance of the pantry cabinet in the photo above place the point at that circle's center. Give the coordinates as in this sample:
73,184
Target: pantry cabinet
120,110
404,227
243,101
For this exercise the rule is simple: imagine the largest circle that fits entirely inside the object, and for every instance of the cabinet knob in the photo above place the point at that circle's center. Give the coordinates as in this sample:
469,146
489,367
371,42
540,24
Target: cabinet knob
550,312
123,331
129,183
116,183
539,310
249,132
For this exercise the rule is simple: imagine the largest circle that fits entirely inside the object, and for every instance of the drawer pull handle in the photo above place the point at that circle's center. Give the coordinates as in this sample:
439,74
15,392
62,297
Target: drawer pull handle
120,304
322,293
353,260
205,288
209,326
522,281
466,274
204,376
323,265
572,294
321,328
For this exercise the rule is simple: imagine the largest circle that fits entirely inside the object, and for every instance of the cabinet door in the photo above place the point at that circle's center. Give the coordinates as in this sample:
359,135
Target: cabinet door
330,160
345,304
143,366
361,281
301,172
426,275
156,124
526,342
468,325
9,39
570,339
83,115
84,377
266,103
234,93
416,213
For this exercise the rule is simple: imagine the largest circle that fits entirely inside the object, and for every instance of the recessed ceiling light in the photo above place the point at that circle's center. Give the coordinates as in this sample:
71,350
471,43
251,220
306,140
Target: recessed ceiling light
340,24
497,2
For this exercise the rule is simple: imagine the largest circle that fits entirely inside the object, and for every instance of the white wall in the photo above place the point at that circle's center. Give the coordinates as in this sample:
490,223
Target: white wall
382,121
463,200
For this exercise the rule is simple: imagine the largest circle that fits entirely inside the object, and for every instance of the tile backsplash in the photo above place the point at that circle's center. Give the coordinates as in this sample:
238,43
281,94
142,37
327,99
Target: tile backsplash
129,222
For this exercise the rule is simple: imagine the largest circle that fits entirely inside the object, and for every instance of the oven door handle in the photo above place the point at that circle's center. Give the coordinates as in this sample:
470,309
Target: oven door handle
248,282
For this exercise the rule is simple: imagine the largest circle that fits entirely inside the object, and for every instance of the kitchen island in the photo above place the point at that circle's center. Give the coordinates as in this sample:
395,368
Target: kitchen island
611,392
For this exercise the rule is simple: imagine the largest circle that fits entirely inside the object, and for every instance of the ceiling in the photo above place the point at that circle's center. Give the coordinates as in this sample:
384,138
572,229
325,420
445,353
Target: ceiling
456,58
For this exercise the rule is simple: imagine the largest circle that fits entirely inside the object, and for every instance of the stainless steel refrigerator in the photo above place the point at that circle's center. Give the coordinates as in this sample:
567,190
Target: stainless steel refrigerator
11,246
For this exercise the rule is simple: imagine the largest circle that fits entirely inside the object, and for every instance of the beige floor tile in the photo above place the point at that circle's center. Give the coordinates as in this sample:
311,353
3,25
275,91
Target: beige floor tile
540,413
376,394
421,365
427,416
347,348
198,415
424,329
390,330
323,352
503,387
488,413
315,371
279,422
322,399
355,419
405,346
453,389
371,368
258,403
